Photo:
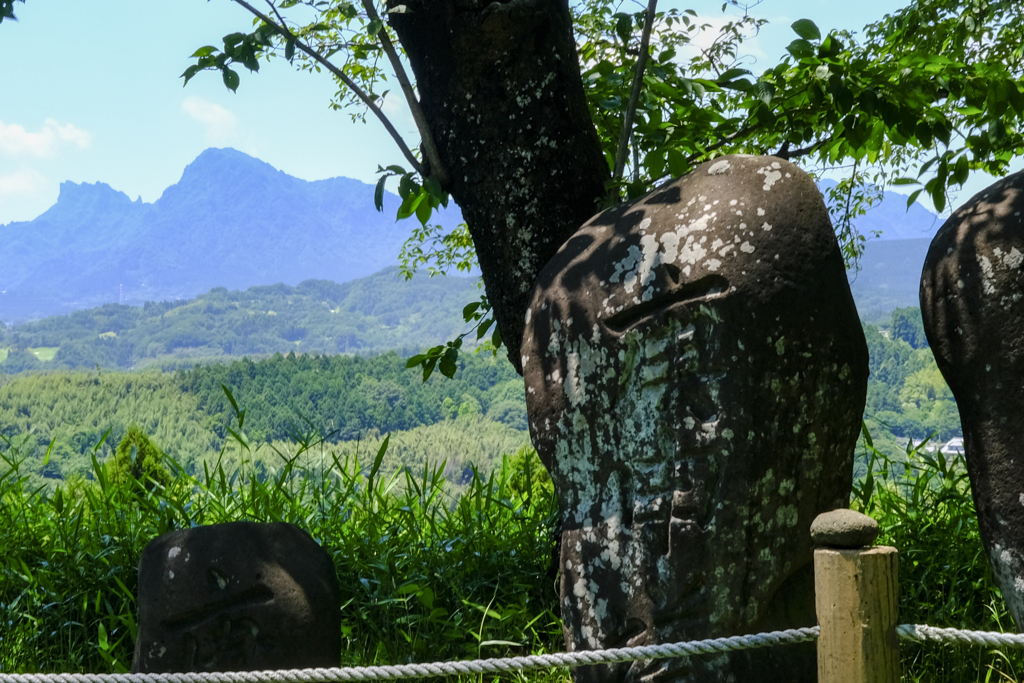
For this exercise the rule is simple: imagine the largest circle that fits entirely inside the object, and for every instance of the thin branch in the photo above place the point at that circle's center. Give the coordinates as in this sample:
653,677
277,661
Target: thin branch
437,169
634,95
744,129
786,153
283,29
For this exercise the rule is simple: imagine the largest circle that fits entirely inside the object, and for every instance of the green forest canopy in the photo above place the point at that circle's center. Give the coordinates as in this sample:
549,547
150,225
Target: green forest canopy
352,400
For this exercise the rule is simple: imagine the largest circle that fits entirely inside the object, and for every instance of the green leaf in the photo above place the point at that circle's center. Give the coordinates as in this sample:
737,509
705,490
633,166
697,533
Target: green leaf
230,79
409,205
49,450
447,365
378,193
961,170
677,165
374,28
424,210
189,73
469,311
204,51
765,91
806,29
623,27
732,74
800,48
435,191
289,49
380,457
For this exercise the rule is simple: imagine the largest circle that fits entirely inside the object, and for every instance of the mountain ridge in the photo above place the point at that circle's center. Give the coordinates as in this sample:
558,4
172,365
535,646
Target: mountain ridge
230,221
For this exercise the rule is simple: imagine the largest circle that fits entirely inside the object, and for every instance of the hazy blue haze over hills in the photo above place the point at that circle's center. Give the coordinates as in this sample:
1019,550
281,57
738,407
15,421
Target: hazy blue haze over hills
889,277
236,222
231,221
893,220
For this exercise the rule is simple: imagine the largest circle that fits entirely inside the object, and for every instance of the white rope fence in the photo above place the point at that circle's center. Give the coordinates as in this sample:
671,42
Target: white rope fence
921,634
914,632
381,673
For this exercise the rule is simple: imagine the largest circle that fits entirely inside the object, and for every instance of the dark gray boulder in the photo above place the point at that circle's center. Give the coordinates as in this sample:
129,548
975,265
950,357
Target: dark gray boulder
696,373
237,597
972,302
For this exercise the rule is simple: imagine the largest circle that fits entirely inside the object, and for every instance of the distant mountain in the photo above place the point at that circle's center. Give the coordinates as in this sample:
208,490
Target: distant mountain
889,277
892,218
231,221
368,315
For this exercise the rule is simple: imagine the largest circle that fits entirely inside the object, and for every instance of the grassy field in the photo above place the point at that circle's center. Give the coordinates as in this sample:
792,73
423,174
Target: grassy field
45,353
426,576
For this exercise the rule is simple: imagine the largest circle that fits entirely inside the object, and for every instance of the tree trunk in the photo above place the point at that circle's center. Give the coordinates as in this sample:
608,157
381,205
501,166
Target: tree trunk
500,87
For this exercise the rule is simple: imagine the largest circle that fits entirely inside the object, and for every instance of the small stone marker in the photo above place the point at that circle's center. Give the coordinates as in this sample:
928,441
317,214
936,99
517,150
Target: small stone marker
843,529
237,597
855,600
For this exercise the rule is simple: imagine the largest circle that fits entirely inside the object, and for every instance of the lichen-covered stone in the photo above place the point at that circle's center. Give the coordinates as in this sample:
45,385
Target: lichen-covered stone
237,597
843,528
972,301
696,374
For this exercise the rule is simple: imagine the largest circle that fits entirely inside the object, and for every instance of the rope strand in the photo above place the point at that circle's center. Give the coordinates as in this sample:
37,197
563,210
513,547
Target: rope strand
381,673
914,632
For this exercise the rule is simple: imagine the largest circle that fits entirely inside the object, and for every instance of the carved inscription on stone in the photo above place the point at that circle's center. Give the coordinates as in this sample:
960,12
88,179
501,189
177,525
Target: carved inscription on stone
696,374
237,597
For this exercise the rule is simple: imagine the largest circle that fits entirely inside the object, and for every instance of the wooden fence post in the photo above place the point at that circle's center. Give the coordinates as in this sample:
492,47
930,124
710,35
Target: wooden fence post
856,601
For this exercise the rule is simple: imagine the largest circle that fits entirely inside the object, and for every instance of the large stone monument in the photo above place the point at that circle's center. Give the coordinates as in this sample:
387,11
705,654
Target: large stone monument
237,597
696,373
972,301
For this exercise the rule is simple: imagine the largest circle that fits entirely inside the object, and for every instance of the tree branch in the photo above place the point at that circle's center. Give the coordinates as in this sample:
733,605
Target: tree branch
787,154
634,94
283,29
437,168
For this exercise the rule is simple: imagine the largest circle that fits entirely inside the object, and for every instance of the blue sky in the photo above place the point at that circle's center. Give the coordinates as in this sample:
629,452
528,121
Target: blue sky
90,91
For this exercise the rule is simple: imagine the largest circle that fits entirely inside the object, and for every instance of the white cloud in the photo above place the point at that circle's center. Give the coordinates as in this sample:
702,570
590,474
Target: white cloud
21,183
218,121
16,141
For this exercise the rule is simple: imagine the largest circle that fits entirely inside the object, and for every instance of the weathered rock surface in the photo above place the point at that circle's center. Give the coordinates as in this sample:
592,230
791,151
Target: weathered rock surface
843,528
696,373
236,597
972,301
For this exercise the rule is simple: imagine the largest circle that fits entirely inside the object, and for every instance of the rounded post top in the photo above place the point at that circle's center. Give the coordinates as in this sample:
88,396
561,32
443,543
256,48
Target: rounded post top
843,529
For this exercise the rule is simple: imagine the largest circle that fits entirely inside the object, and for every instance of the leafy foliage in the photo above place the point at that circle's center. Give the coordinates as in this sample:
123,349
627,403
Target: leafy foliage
7,9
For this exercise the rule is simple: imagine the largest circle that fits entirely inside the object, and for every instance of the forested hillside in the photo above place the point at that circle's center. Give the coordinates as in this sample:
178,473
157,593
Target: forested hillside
369,315
352,399
285,398
907,396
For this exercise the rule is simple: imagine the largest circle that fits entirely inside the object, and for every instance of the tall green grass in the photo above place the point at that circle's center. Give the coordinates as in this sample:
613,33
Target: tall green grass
425,575
922,502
